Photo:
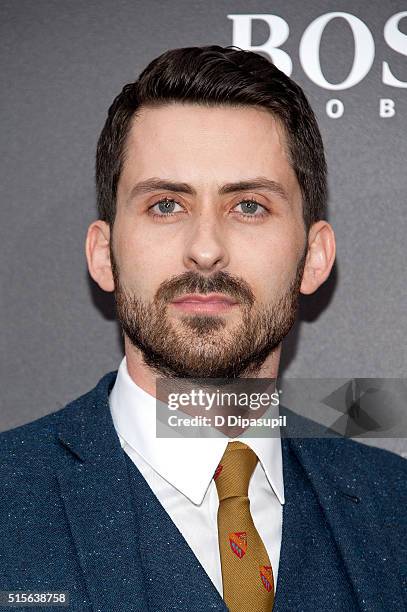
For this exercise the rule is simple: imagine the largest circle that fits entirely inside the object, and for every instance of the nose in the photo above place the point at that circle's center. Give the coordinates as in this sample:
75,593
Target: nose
205,247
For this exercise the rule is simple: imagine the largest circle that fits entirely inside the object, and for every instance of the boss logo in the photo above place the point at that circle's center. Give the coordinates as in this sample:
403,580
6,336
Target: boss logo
309,51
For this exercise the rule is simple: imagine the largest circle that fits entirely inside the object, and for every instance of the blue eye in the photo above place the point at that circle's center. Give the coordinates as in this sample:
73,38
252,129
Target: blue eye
250,207
165,206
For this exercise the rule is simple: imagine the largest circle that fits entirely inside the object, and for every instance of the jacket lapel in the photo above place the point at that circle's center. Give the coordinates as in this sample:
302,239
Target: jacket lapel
355,522
133,556
92,478
175,578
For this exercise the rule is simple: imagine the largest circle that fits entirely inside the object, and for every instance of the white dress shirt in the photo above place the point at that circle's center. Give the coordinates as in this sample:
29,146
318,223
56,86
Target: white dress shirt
180,473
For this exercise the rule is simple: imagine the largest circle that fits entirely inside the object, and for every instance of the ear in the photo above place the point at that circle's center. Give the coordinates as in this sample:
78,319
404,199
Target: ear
320,256
98,254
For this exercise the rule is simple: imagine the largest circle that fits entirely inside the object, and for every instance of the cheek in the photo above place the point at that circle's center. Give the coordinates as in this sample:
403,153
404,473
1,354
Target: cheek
268,264
142,265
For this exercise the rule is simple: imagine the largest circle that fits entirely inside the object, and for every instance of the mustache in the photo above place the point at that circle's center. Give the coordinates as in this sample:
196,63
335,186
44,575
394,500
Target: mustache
192,282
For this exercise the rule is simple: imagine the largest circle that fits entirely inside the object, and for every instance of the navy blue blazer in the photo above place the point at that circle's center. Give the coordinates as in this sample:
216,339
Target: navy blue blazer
76,515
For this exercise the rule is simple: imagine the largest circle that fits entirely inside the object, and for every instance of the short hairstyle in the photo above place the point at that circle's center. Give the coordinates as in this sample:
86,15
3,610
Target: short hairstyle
216,76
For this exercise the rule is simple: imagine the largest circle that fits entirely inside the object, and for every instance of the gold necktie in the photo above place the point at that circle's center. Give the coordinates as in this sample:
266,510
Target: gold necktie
247,575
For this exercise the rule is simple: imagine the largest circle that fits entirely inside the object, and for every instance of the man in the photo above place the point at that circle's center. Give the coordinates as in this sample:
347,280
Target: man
211,184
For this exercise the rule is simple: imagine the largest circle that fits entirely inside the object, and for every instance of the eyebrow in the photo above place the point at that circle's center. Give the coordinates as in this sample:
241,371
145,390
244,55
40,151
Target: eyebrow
157,184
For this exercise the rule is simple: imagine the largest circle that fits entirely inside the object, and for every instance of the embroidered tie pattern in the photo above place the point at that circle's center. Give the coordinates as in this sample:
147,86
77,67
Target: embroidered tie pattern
247,575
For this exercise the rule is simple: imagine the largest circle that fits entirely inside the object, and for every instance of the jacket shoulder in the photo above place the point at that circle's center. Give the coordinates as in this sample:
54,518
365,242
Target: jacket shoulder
32,445
353,453
346,454
381,472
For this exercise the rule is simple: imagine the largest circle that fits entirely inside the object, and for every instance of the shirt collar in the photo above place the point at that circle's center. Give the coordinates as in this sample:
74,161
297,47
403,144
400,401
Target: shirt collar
188,464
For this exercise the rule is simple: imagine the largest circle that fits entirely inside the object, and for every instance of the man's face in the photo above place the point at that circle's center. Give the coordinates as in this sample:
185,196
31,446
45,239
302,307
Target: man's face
240,247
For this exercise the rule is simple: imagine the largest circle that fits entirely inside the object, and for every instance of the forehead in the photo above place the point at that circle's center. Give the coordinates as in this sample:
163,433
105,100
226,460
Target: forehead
198,144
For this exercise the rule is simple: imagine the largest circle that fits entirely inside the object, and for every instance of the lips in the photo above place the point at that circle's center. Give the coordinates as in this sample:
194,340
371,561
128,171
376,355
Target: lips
211,298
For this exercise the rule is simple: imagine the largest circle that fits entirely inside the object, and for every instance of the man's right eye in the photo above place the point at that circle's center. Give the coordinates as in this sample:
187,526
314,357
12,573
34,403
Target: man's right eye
164,207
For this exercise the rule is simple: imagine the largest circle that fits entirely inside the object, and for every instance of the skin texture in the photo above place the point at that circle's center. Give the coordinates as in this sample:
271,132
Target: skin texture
259,256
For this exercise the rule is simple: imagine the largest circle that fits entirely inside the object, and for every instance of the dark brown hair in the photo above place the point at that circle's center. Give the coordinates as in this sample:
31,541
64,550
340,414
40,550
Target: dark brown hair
214,76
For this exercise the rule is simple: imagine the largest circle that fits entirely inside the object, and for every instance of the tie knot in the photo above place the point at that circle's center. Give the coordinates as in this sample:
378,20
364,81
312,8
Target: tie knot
233,473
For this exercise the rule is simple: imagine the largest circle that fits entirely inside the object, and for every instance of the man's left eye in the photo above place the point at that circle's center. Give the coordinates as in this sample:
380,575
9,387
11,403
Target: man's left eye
251,207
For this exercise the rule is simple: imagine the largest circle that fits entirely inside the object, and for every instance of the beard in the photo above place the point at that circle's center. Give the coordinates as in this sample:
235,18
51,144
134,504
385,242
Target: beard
202,346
